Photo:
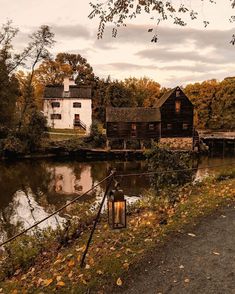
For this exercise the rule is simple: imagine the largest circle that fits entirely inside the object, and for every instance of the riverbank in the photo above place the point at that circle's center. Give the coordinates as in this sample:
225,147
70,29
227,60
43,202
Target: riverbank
113,254
77,148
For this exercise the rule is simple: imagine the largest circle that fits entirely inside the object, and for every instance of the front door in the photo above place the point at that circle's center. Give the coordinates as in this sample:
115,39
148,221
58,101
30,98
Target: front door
77,117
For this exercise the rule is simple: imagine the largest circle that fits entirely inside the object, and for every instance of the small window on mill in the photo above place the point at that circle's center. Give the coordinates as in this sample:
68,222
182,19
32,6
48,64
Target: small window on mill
115,127
169,126
185,126
177,106
151,127
177,93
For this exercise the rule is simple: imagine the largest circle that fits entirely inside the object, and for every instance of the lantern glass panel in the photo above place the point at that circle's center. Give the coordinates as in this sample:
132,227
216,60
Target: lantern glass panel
119,214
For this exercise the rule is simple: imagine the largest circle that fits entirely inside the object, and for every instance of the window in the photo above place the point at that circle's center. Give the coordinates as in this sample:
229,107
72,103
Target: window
169,126
177,106
115,127
185,126
151,127
55,116
177,93
55,104
77,104
133,130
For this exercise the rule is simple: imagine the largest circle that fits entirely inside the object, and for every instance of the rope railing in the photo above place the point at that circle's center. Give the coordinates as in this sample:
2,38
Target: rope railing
171,171
102,181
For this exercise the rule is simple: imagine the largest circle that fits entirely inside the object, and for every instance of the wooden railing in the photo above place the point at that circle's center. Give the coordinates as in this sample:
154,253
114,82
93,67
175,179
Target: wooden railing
79,123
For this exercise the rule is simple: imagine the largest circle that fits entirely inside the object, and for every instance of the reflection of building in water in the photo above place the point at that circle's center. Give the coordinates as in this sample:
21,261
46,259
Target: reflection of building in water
65,181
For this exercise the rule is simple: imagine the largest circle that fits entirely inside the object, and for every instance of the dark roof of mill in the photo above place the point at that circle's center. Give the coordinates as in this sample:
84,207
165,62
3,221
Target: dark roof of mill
164,97
132,114
74,92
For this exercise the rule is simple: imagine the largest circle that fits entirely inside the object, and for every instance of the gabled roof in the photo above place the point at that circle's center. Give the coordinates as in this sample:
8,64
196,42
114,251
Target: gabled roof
164,97
74,92
132,114
167,95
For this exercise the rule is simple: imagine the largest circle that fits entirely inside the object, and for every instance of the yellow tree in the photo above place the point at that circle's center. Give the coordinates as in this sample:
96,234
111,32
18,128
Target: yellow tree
145,91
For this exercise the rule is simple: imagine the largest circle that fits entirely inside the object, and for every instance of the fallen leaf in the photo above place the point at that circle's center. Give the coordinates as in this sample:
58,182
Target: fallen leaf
186,280
14,292
119,282
60,283
191,235
126,265
69,255
57,261
87,266
181,266
39,282
71,262
47,282
99,272
216,253
83,281
58,278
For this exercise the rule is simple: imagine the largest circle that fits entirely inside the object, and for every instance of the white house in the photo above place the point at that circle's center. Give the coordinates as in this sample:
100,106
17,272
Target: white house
68,106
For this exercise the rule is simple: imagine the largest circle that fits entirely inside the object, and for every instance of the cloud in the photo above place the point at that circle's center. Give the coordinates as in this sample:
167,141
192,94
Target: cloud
71,31
125,66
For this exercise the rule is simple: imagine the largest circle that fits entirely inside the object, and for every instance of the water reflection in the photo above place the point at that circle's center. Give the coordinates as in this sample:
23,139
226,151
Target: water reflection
29,191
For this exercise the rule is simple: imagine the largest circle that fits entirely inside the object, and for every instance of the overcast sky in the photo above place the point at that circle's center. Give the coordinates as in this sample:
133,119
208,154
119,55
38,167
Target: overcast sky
182,55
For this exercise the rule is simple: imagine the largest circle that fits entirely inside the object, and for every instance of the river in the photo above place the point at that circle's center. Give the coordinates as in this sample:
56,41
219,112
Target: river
31,190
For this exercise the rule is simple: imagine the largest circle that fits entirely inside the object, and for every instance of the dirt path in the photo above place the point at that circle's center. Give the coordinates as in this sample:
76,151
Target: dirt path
198,261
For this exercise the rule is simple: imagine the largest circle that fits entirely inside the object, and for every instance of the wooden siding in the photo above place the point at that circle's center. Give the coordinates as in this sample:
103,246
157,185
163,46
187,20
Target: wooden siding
124,130
175,124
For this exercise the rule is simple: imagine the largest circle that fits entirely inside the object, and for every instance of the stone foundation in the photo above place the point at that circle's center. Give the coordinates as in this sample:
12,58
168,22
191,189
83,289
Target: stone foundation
177,143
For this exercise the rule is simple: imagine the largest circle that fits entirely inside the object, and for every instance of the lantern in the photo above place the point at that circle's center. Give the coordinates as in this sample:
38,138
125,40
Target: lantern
117,209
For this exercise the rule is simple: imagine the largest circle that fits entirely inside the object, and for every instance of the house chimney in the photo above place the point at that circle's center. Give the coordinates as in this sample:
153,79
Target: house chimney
68,82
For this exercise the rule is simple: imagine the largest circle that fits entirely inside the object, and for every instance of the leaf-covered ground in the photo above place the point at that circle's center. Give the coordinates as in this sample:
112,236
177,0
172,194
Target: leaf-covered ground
115,253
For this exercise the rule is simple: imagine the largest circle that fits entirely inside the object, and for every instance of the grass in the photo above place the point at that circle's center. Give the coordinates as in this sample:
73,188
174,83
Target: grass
65,134
112,253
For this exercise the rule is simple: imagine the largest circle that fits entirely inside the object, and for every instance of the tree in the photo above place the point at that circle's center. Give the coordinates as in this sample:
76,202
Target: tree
117,12
65,64
8,83
99,99
41,41
145,91
117,95
20,107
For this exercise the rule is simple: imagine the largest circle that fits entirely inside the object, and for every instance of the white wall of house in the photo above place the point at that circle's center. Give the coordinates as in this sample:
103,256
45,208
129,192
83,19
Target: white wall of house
68,112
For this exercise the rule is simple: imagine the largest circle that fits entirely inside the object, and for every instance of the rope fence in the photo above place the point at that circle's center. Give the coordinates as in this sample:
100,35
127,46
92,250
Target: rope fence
111,175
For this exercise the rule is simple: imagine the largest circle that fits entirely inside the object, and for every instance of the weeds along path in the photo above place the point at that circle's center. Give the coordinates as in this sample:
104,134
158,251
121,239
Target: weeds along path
201,260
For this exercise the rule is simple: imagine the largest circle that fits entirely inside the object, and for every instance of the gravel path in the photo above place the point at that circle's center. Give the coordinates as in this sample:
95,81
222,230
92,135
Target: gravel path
199,261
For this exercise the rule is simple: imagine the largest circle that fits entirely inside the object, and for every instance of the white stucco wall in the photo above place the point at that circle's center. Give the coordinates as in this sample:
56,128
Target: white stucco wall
68,112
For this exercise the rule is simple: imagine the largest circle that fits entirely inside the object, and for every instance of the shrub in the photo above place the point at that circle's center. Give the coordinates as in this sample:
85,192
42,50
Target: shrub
171,167
96,138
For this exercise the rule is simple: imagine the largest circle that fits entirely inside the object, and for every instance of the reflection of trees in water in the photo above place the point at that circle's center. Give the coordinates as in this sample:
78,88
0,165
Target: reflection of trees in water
20,176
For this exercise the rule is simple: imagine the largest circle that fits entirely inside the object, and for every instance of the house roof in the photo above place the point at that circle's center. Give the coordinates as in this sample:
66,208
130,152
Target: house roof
74,92
132,114
164,97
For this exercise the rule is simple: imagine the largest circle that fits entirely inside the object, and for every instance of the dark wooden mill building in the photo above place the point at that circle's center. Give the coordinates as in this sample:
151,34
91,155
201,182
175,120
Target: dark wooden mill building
171,117
176,114
137,123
